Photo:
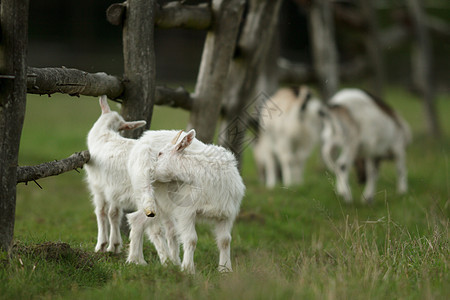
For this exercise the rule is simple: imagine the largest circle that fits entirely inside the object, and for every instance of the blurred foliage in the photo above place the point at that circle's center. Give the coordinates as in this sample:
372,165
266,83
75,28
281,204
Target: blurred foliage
58,36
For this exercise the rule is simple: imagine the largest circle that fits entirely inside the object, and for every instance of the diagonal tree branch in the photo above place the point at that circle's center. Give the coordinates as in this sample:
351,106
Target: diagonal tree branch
73,162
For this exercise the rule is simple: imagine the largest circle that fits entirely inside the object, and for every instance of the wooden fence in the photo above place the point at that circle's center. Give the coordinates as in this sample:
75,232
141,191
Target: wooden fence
136,90
233,66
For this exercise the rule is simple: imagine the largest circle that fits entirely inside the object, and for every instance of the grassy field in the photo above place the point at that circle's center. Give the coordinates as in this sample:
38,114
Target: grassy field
288,243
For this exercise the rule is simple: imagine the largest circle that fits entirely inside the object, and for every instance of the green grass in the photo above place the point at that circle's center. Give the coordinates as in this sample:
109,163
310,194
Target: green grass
301,242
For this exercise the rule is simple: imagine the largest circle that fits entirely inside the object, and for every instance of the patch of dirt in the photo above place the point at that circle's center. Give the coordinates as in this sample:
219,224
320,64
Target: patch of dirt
58,252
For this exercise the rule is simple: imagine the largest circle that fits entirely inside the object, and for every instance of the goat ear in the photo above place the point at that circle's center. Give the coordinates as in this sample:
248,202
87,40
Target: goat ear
131,125
175,139
186,141
104,104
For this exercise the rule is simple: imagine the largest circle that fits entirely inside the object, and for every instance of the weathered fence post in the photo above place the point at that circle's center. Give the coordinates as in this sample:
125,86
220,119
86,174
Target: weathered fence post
373,47
217,54
324,46
13,91
422,66
254,43
139,62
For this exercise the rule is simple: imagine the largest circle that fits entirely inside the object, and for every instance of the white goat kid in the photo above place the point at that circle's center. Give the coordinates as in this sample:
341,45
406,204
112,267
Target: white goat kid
141,169
363,127
107,175
195,181
119,175
291,127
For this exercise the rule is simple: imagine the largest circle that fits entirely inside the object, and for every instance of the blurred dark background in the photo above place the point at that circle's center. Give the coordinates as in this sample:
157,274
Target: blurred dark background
76,34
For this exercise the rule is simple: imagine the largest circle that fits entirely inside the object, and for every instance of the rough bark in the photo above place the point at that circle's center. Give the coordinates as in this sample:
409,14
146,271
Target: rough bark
73,82
175,14
171,15
139,63
324,50
73,162
13,47
216,58
254,42
422,66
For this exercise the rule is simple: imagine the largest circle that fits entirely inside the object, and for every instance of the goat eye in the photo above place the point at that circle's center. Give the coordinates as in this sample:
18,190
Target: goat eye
159,154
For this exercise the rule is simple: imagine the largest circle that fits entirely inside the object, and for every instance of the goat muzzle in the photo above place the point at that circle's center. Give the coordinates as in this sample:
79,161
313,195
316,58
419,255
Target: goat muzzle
149,213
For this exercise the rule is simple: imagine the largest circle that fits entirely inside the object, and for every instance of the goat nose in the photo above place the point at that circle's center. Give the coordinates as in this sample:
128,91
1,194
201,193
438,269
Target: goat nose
149,213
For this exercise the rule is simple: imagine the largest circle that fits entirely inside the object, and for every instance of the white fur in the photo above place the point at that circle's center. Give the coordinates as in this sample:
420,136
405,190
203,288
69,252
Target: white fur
287,136
107,176
112,179
357,126
194,181
141,168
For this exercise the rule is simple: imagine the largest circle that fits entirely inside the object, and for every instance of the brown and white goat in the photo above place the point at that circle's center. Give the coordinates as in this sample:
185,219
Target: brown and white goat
364,129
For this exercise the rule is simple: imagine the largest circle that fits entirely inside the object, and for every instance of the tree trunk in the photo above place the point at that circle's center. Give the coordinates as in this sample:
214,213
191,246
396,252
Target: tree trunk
373,47
139,63
422,66
254,43
13,47
269,78
217,54
324,47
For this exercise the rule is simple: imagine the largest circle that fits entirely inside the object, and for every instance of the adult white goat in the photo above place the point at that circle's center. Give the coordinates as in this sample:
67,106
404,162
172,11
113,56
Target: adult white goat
289,130
363,128
194,181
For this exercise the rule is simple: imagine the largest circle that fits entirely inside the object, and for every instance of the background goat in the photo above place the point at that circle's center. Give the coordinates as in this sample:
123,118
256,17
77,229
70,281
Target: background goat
363,127
286,140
